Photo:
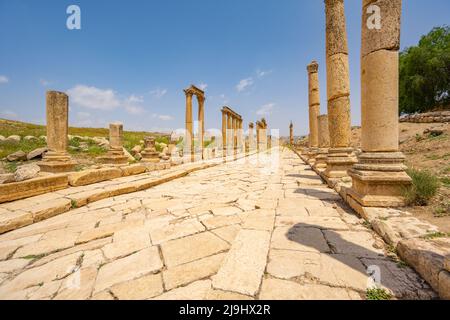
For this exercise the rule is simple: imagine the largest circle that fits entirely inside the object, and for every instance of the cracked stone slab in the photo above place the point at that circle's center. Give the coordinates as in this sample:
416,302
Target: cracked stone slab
244,265
300,239
191,248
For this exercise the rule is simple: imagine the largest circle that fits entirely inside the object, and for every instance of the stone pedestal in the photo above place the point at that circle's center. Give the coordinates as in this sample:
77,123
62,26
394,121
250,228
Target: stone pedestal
379,179
115,155
340,155
57,159
150,154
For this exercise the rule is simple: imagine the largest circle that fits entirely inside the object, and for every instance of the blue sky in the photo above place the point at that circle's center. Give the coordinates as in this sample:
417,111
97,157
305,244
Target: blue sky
131,59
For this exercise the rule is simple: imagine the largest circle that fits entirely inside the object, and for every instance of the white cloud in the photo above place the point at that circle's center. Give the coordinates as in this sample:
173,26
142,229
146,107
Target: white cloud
94,98
202,86
244,84
262,73
163,117
8,114
3,79
158,93
44,82
266,109
131,105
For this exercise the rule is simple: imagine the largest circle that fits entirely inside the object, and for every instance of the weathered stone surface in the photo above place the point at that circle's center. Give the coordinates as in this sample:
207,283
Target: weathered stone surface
140,289
13,139
244,265
13,220
274,289
51,242
26,172
133,170
301,238
388,36
444,285
426,257
128,268
86,177
57,269
79,285
221,221
356,243
7,178
195,291
186,273
13,265
175,231
191,248
17,156
33,187
226,295
36,153
50,209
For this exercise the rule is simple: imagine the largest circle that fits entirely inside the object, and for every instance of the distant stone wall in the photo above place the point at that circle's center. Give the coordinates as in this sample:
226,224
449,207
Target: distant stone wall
429,117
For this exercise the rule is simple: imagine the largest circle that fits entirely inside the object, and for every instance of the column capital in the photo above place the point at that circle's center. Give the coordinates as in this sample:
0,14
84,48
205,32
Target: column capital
313,67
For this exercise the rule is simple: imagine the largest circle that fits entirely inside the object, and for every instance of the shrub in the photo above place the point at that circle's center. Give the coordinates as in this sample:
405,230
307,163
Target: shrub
424,187
377,294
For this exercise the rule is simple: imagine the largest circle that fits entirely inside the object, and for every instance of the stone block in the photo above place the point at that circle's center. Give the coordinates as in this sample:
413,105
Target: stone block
86,177
33,187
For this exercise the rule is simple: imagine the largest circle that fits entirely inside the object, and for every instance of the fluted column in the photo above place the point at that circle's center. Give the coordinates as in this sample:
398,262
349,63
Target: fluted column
340,157
379,179
314,109
57,158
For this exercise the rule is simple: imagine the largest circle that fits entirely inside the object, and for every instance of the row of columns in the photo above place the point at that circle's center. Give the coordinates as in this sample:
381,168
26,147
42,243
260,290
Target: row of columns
378,173
232,132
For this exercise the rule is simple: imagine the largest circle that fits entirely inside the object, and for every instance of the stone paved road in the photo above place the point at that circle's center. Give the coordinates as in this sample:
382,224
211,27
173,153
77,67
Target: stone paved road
261,228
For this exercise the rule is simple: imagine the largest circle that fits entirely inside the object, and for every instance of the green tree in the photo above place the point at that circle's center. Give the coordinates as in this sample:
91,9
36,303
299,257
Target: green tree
425,73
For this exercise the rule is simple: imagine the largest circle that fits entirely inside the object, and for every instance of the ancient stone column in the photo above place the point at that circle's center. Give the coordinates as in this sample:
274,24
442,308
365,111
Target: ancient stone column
324,142
251,137
291,134
340,154
379,179
115,154
57,159
201,123
224,133
230,134
235,135
240,135
314,109
189,140
150,154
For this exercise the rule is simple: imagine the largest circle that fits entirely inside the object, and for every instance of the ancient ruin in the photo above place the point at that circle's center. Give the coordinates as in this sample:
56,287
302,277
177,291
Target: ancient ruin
379,179
340,154
150,154
314,110
57,159
115,155
291,134
189,135
324,143
251,137
231,131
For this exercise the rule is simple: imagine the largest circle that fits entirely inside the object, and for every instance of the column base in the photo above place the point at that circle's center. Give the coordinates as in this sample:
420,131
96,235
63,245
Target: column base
321,159
311,156
55,162
339,161
113,157
379,180
150,156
